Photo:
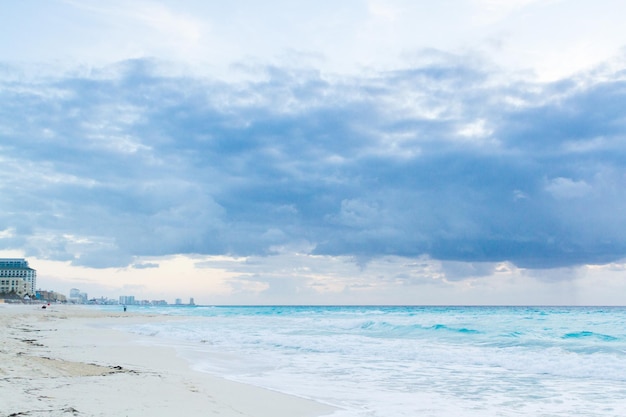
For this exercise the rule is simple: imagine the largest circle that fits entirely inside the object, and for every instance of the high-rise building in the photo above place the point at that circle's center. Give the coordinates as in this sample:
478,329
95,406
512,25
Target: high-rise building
16,276
127,299
78,297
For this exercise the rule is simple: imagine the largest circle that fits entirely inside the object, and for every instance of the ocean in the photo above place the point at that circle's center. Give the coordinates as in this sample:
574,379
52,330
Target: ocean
413,361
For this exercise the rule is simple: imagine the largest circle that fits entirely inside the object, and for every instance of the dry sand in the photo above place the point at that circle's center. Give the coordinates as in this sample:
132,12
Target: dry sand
69,361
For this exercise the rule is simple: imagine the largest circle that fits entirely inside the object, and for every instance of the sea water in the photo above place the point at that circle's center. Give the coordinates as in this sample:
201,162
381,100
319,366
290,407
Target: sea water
414,361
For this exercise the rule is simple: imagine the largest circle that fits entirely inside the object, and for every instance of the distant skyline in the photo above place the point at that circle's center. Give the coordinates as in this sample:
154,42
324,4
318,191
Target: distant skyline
366,152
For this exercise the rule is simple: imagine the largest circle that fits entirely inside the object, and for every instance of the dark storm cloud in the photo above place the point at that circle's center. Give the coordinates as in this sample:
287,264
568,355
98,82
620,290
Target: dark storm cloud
441,160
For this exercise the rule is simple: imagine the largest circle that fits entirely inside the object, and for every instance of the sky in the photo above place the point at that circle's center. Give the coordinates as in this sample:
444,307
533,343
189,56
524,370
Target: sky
353,152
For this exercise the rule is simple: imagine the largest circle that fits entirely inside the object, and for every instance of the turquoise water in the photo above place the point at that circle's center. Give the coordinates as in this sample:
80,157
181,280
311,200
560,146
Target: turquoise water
415,361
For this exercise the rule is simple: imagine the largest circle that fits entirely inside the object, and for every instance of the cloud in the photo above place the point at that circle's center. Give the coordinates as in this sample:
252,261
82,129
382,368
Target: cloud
567,188
440,160
145,265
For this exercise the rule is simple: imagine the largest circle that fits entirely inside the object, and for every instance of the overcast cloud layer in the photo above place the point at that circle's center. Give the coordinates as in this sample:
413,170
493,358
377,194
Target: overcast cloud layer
381,151
444,159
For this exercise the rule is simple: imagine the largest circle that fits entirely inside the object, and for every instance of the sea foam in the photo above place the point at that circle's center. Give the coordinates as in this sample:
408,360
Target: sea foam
408,361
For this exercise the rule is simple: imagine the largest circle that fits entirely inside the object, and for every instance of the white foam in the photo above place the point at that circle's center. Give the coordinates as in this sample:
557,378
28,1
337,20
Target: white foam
437,362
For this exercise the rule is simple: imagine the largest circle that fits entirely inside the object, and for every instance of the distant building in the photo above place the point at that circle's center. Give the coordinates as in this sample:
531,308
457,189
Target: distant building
17,277
78,297
127,299
50,296
191,302
103,301
178,301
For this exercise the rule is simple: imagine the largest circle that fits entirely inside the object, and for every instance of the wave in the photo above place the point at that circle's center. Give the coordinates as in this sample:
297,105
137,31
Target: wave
591,335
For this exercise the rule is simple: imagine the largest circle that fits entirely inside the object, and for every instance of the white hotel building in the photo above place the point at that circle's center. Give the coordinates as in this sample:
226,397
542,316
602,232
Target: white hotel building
16,276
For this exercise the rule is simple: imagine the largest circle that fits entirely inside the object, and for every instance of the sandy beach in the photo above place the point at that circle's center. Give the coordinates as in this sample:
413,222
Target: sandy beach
70,361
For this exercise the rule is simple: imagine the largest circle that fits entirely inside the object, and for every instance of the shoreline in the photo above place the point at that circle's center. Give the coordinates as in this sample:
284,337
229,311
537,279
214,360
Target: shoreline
69,360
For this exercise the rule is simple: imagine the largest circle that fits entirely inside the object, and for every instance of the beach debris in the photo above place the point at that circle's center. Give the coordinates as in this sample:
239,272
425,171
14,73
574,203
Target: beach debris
38,412
32,342
117,369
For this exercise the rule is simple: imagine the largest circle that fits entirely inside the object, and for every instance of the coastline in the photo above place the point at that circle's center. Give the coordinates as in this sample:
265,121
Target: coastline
69,360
